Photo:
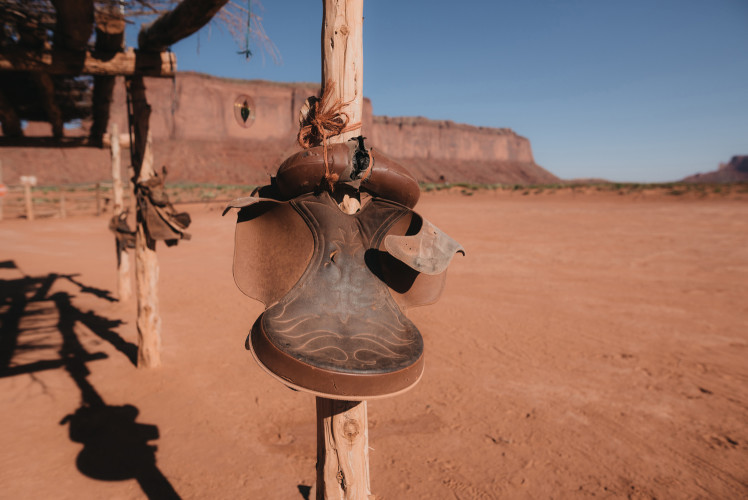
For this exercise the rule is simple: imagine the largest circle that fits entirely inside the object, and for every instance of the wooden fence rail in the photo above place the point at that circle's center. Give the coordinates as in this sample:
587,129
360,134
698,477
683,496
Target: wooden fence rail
59,201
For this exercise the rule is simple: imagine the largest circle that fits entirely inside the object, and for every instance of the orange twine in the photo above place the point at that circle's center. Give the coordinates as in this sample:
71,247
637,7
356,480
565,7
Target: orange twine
323,121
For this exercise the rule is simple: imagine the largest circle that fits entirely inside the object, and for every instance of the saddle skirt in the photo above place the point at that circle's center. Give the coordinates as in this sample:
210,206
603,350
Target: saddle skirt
334,286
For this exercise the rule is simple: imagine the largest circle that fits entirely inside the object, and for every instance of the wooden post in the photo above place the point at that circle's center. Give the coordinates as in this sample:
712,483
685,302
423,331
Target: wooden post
29,203
110,36
74,23
132,202
124,291
63,212
11,124
28,181
342,426
342,450
98,199
54,114
115,156
146,261
146,283
343,57
1,197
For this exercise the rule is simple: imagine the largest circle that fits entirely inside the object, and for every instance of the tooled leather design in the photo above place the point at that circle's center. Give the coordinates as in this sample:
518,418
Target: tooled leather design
340,316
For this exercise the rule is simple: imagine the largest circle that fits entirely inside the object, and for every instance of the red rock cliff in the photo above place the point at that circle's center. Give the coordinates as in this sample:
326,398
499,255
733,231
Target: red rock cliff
736,170
196,136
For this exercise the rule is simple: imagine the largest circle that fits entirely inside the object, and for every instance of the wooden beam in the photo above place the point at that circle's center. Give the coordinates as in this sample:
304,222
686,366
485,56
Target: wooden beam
60,62
110,37
124,291
54,115
139,126
74,24
1,184
28,181
9,118
146,261
115,156
63,211
184,20
342,426
103,88
343,60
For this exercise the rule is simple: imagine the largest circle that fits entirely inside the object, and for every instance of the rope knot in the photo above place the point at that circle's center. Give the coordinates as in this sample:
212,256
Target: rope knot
323,120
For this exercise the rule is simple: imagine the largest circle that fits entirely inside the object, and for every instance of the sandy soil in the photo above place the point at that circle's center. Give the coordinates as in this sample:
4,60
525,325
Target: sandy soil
588,345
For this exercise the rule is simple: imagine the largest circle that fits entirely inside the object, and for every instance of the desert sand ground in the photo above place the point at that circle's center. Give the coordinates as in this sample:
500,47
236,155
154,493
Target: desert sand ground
587,346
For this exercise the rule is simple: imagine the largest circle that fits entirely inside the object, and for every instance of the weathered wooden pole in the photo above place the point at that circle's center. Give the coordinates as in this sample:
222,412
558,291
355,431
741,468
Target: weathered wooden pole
2,195
132,202
343,58
63,211
342,426
146,261
110,37
342,450
124,291
28,181
98,199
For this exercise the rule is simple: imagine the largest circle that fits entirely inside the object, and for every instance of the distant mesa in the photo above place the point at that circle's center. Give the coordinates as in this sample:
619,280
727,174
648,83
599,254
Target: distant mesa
196,135
736,170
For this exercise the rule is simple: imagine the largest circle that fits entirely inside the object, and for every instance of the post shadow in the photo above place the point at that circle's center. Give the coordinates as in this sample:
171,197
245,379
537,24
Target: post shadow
99,325
14,294
304,490
115,446
98,292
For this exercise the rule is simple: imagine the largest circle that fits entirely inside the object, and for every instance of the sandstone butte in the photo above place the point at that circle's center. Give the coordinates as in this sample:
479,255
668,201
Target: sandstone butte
196,136
736,170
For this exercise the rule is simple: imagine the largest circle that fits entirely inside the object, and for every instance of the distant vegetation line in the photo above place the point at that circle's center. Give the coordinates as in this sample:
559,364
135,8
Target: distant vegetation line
55,201
425,186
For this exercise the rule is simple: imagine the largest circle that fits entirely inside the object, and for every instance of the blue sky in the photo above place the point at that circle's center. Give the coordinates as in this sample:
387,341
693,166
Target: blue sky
642,90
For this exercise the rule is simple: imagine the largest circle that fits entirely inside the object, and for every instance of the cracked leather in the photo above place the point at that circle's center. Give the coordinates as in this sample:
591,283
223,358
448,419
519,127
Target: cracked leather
303,172
339,316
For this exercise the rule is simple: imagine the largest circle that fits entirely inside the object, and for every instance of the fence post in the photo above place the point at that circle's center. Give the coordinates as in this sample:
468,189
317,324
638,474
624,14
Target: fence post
28,181
98,199
2,195
63,212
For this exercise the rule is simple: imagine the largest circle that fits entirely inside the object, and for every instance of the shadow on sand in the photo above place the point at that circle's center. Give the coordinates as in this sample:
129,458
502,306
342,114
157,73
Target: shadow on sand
115,446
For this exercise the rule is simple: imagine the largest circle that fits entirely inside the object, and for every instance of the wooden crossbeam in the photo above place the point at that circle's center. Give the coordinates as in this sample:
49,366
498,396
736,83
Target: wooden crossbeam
182,21
59,62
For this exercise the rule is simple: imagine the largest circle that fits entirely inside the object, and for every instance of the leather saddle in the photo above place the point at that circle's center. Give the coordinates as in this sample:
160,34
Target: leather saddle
162,221
335,285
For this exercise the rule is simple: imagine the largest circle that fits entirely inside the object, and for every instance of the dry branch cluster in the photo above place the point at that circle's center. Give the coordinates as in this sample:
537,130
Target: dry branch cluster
46,49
